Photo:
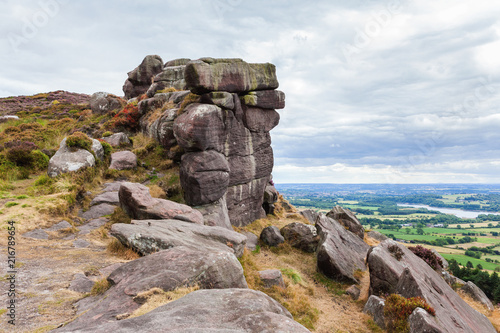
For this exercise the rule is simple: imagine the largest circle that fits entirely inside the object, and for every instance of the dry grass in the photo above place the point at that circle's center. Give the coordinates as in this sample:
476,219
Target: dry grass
156,297
116,248
100,287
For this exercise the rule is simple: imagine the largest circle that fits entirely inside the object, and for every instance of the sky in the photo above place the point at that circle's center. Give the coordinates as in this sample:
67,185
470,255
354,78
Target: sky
393,91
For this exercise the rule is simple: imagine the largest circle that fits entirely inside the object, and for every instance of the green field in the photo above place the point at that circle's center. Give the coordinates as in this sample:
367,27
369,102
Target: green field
462,260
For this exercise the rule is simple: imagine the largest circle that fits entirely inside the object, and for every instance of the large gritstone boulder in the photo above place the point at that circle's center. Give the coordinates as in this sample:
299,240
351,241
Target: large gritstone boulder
103,102
139,80
214,310
395,269
340,253
348,220
170,77
67,159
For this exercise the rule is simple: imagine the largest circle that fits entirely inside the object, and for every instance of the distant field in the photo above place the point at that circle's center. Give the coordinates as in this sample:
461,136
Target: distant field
462,259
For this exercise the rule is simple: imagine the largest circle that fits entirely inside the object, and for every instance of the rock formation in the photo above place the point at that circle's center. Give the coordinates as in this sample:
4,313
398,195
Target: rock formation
223,135
68,160
139,80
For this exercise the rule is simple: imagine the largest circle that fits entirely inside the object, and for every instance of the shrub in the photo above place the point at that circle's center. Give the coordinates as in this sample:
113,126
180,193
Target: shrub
19,152
79,140
100,287
106,134
107,147
128,117
398,308
427,255
40,160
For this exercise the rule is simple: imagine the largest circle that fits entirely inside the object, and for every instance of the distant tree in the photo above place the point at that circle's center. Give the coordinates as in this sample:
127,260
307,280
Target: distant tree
459,226
490,225
420,231
471,225
407,230
479,266
469,265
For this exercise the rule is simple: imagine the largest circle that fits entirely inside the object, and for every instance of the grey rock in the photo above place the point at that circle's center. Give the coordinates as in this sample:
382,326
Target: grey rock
65,160
252,240
410,276
118,139
353,291
81,244
340,253
215,310
138,203
91,225
81,284
347,219
97,149
271,236
139,80
113,186
266,99
375,308
4,119
59,226
477,294
177,62
244,202
123,160
260,120
106,197
98,211
215,214
377,235
103,102
148,236
301,236
310,215
36,234
105,271
272,277
420,321
222,99
444,262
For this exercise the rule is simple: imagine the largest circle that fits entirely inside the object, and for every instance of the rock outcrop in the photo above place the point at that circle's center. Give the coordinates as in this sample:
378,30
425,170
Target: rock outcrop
118,139
375,308
223,135
139,79
301,236
68,160
347,219
340,252
395,269
477,294
271,236
103,102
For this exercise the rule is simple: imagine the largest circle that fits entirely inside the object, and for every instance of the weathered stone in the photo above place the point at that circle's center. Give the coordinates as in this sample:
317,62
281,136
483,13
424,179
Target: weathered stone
118,139
36,234
266,99
177,62
159,100
91,225
214,310
410,276
444,262
252,240
215,214
98,149
103,102
140,78
98,211
301,236
106,197
420,321
59,226
222,99
81,244
166,270
264,162
231,75
6,118
204,177
310,215
260,120
242,169
65,160
201,127
272,277
123,160
113,186
149,236
377,235
375,308
353,291
477,294
271,236
340,253
170,77
244,202
271,196
138,203
162,128
348,220
81,284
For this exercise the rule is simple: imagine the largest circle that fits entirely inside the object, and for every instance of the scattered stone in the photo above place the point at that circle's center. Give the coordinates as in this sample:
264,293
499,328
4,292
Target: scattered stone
375,308
65,160
103,102
138,203
113,186
81,243
118,139
271,236
477,294
301,236
81,284
106,197
149,236
252,240
272,277
91,225
59,226
36,234
123,160
347,219
377,235
214,310
98,211
353,291
410,276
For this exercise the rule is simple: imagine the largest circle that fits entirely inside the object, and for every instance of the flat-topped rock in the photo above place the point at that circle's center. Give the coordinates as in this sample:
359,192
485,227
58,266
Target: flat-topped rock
123,160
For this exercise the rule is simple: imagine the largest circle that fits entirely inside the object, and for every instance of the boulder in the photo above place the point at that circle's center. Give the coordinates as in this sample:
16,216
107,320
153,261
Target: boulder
310,215
36,234
138,203
395,269
271,236
66,160
266,99
421,321
6,118
170,77
231,75
272,277
103,102
98,211
353,291
252,240
123,160
348,220
260,120
81,244
222,99
60,226
301,236
377,235
244,202
215,310
340,253
444,262
215,214
166,270
149,236
81,284
477,294
91,225
375,308
139,79
118,139
106,197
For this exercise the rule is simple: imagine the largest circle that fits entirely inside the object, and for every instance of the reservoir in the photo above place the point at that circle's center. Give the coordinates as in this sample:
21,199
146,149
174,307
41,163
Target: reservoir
464,214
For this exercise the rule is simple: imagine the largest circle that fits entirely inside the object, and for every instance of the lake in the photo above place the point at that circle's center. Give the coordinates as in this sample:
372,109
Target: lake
464,214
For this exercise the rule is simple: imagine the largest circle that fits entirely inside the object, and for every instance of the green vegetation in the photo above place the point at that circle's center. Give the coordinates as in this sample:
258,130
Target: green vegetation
79,140
397,310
